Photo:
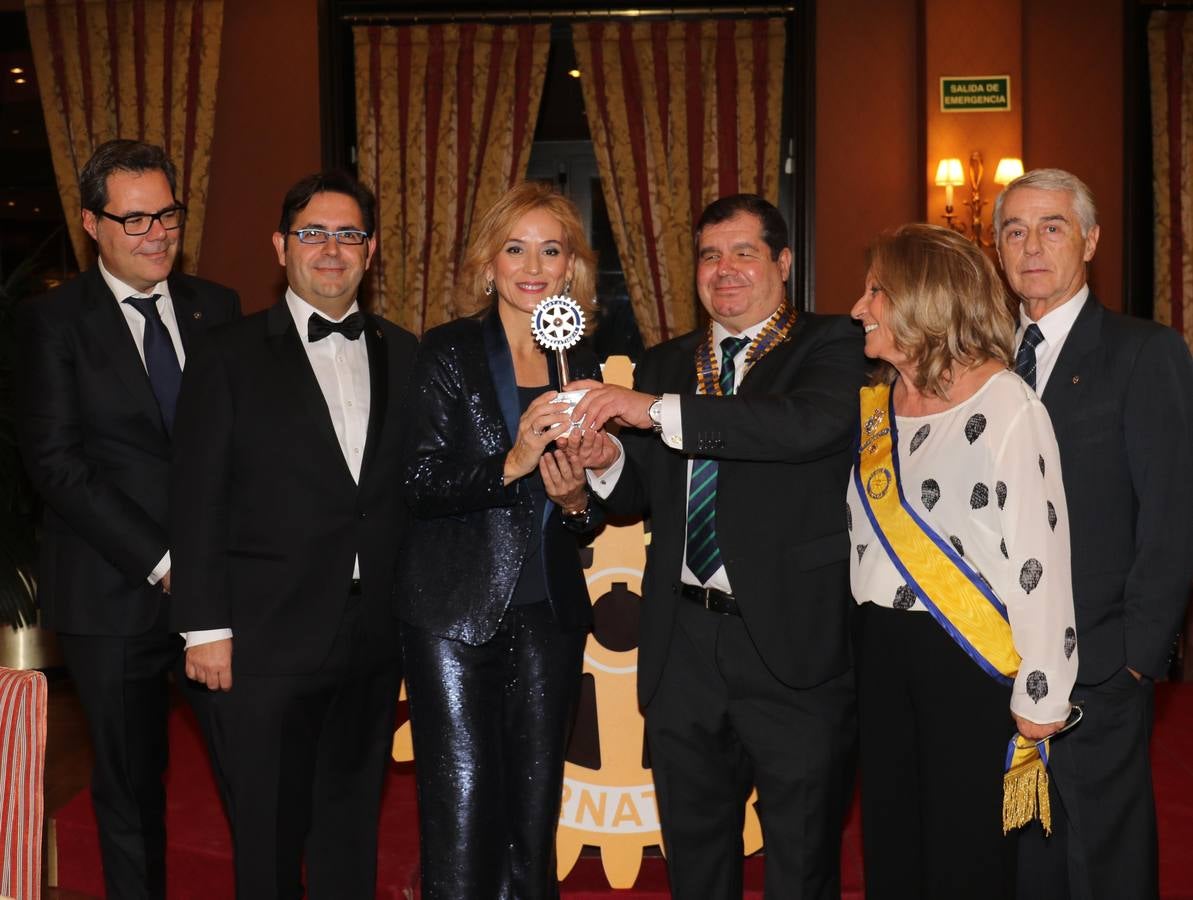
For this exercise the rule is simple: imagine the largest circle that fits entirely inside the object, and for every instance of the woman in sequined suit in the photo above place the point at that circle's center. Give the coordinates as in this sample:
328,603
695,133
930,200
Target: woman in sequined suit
491,594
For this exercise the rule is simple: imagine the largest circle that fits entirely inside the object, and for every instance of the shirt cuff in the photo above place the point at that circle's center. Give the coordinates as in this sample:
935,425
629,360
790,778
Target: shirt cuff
206,636
671,420
160,570
603,485
1047,711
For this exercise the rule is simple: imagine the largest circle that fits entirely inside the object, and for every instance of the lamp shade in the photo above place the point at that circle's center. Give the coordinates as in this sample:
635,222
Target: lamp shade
1009,168
948,172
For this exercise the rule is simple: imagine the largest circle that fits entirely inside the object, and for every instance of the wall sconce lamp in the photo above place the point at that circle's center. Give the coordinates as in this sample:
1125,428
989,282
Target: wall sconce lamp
1009,168
949,175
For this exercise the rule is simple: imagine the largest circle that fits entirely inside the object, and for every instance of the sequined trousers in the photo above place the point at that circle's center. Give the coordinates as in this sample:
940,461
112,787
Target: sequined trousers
490,726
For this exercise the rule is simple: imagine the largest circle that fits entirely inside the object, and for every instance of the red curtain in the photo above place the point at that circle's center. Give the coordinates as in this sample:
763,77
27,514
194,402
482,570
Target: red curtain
445,117
681,112
1170,52
142,69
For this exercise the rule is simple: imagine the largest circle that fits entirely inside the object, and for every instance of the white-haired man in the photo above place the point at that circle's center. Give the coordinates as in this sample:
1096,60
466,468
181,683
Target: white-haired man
1120,393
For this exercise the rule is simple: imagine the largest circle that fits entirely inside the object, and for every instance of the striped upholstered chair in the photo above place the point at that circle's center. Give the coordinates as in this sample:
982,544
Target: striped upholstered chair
22,764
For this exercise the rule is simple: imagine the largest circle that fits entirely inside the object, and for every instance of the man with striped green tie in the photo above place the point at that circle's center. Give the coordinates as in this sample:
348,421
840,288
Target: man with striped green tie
740,459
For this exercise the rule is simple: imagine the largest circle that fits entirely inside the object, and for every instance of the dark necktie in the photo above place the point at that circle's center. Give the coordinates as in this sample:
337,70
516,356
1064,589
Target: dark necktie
703,554
161,362
318,327
1025,359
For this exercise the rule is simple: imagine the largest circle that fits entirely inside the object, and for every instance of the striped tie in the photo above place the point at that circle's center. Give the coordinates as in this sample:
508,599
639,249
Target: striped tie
703,554
1025,359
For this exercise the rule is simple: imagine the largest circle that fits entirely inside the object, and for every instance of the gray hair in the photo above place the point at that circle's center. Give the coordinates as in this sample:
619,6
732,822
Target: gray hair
1053,180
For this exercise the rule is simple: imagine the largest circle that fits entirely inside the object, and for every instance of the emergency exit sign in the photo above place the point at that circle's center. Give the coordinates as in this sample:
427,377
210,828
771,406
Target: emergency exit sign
975,93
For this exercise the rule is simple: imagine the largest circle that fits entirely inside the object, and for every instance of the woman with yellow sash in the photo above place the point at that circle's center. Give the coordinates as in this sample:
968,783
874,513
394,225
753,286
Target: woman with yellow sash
960,566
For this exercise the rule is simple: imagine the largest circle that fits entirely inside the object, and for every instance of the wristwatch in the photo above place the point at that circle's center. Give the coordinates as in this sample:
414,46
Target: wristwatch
656,414
580,518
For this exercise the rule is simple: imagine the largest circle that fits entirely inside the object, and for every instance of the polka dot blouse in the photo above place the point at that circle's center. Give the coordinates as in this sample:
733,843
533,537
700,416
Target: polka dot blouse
985,475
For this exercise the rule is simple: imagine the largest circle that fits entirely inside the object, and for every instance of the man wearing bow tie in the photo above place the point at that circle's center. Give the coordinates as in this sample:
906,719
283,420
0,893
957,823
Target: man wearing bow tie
102,360
286,524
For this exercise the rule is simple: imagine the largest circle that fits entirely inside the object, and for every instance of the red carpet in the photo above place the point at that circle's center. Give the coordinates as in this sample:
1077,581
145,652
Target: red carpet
200,864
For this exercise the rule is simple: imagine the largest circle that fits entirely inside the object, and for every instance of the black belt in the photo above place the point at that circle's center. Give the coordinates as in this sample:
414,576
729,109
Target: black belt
711,599
354,590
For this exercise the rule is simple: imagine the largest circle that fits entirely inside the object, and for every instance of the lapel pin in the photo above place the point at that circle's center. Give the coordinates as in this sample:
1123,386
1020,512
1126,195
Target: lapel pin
378,333
1076,378
197,314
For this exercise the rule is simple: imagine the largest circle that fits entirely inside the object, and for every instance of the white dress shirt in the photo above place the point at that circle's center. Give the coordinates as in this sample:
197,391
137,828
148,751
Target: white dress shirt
671,420
341,367
1055,325
136,326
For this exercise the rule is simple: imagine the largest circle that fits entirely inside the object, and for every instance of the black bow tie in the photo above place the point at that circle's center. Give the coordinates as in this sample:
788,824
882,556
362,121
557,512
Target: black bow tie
318,327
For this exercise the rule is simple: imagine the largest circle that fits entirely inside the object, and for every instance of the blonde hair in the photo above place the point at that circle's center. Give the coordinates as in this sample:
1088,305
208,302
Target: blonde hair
946,304
492,230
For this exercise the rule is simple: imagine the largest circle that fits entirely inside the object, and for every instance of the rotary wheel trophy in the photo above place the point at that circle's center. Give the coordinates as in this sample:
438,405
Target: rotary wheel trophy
558,324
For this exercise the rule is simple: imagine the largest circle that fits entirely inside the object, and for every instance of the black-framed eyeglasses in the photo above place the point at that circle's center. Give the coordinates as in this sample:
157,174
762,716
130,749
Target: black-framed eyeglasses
321,235
138,224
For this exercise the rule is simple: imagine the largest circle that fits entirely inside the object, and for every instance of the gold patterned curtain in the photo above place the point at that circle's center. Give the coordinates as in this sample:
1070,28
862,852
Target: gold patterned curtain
445,117
140,69
1170,59
681,113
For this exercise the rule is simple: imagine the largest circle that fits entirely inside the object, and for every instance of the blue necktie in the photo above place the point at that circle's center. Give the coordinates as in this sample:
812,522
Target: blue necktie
703,554
1025,359
165,375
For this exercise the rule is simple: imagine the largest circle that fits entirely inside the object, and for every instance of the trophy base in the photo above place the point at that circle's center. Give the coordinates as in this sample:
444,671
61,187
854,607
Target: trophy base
571,398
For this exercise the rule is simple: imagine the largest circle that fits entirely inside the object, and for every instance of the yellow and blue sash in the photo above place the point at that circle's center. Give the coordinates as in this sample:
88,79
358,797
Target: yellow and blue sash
956,596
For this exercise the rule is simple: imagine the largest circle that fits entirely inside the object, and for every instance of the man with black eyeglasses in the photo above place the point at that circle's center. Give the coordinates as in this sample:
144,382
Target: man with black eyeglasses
102,362
287,522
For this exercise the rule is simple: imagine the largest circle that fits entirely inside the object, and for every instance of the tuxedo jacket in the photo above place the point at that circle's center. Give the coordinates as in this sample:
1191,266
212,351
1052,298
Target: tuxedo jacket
93,441
267,518
1121,401
461,564
783,443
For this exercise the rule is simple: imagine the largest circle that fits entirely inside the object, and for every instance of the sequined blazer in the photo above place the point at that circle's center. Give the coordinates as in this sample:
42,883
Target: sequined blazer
458,569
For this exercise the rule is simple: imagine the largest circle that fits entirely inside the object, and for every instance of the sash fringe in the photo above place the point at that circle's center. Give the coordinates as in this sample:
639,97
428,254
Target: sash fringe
1025,796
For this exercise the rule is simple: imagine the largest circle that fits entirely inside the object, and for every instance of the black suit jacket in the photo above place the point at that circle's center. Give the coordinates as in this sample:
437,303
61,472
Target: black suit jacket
1121,401
267,519
783,443
459,569
96,449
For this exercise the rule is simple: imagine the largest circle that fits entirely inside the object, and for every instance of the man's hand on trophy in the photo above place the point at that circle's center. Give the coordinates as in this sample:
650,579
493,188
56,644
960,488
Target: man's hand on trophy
609,402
